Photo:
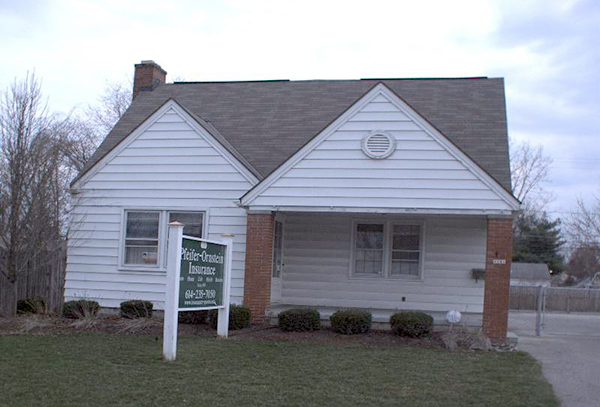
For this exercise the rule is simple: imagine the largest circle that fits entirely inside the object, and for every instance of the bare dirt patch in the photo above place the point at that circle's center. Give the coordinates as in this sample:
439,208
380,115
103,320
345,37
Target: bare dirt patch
32,324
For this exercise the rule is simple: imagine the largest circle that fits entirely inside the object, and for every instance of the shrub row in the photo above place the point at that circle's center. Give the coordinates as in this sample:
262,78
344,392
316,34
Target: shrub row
349,322
239,317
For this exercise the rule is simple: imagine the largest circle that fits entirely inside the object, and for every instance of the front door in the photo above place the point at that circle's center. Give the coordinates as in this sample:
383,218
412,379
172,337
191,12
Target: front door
277,262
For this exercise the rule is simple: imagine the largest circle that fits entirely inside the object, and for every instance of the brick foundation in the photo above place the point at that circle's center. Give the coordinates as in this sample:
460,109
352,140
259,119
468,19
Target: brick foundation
497,278
259,261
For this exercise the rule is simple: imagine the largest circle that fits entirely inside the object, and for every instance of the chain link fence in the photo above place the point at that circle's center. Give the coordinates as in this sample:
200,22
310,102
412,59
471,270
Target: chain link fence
537,310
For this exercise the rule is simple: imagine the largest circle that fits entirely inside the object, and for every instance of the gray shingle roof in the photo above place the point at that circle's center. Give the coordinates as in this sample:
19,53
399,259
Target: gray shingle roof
267,122
530,271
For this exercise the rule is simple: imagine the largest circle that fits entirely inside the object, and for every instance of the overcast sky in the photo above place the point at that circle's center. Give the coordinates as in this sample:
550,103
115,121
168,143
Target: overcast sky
547,51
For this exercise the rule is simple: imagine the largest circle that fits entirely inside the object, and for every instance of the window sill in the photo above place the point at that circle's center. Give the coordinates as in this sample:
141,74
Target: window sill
415,279
141,269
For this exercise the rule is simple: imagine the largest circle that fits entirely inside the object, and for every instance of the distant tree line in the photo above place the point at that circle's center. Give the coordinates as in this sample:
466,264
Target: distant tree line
571,244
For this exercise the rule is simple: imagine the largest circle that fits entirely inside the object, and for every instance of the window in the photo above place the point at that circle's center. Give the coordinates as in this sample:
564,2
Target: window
145,235
192,222
141,238
387,249
406,253
368,259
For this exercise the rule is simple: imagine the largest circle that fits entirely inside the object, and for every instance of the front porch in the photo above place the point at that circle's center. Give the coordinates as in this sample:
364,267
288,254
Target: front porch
317,259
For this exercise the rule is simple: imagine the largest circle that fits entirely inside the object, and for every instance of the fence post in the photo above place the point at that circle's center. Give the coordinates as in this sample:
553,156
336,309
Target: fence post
538,316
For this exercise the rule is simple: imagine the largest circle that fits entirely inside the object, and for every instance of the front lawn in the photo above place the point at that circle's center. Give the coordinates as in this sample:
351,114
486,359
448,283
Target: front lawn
114,370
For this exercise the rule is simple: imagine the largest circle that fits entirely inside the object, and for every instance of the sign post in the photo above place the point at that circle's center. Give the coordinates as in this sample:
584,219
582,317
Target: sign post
172,293
198,278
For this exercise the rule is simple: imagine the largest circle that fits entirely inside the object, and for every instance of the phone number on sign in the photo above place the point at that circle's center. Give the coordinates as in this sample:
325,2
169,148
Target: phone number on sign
200,294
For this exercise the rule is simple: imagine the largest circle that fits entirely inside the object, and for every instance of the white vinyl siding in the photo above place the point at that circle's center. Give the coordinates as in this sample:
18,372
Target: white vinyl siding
317,256
419,174
168,167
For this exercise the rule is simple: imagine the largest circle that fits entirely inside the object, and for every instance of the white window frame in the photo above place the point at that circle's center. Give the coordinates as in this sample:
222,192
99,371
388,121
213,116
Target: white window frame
388,230
355,223
163,219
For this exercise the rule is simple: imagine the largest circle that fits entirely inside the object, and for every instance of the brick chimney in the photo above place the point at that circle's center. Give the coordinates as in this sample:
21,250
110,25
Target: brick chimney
148,75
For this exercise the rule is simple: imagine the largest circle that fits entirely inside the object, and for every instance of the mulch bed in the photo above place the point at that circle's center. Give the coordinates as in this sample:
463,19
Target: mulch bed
51,325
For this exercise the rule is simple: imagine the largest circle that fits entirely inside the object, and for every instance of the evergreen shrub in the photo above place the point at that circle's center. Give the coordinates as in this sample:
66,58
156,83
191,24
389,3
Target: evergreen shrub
351,322
415,324
300,320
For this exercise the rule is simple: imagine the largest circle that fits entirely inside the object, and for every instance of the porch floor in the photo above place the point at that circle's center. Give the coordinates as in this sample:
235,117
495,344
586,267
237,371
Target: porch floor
380,317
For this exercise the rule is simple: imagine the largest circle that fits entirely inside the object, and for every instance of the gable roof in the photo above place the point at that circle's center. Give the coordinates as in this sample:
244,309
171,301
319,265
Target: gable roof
267,122
530,271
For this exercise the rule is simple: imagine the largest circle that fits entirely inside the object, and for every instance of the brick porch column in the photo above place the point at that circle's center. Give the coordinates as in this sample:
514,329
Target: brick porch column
259,261
497,278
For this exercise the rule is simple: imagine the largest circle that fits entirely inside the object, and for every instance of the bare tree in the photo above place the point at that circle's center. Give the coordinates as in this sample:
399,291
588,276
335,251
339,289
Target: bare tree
583,224
31,183
584,262
111,105
86,130
530,169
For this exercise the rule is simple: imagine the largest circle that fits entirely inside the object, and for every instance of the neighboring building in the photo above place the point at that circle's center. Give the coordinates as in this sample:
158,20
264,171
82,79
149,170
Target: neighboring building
590,282
379,194
530,274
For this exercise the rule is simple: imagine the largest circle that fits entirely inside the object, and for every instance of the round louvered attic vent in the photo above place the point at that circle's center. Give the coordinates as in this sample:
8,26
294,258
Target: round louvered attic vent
378,145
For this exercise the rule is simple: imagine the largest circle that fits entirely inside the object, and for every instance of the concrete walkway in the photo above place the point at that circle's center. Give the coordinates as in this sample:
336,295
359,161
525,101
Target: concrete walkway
571,363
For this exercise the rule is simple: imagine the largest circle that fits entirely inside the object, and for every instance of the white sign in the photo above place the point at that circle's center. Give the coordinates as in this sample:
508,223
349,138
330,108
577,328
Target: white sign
499,261
173,304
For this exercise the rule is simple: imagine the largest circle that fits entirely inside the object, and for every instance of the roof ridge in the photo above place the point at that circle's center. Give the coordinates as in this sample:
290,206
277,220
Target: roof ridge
443,78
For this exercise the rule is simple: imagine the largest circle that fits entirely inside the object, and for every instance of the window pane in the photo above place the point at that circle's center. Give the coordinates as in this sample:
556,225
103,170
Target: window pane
405,255
369,236
406,237
137,252
368,262
142,225
407,229
192,222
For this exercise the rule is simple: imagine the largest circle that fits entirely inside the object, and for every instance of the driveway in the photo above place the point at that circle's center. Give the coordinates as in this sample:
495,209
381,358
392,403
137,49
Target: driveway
569,350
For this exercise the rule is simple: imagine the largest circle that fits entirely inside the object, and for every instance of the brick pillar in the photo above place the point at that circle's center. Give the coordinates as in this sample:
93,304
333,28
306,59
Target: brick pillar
259,261
497,278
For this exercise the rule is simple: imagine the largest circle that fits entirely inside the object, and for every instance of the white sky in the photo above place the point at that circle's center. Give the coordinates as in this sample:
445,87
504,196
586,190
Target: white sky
547,51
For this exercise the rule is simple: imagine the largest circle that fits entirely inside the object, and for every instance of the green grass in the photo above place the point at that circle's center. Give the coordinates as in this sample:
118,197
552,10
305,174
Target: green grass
111,370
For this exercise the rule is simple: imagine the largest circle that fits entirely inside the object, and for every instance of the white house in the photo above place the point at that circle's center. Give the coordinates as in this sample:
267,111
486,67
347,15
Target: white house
383,194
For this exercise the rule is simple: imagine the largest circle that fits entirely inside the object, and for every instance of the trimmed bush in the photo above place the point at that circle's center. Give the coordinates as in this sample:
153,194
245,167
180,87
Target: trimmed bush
239,317
31,306
300,320
415,324
136,309
351,322
193,317
80,309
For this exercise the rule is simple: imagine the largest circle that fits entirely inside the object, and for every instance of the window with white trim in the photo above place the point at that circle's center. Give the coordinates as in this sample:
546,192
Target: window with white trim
406,250
369,249
141,237
387,249
145,234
